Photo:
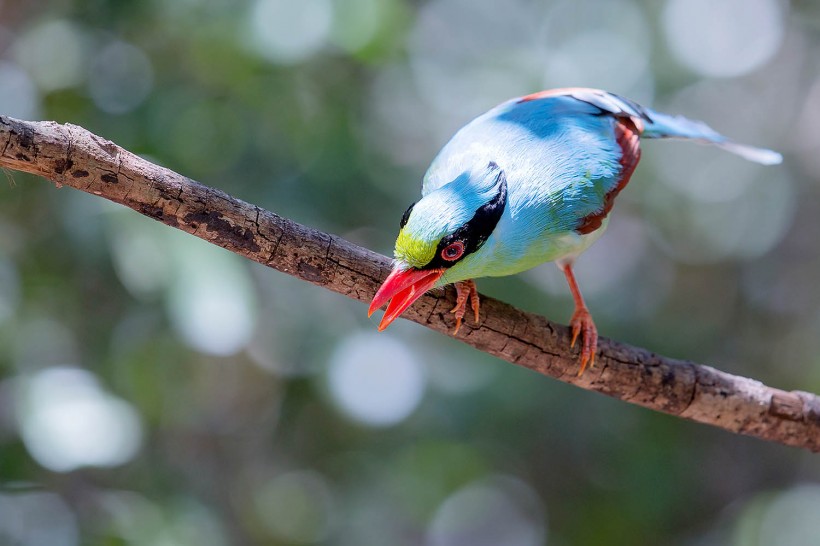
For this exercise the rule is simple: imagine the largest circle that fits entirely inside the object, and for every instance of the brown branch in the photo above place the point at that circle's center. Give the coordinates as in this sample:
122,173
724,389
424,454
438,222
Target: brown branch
70,155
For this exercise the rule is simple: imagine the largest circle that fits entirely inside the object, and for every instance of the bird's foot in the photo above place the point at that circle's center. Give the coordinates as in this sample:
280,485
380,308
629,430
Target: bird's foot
583,325
465,290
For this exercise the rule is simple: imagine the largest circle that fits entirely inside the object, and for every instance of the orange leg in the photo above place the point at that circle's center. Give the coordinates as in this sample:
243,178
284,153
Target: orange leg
464,290
581,322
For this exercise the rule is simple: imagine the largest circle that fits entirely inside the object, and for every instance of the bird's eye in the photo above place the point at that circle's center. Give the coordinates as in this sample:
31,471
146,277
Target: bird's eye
453,251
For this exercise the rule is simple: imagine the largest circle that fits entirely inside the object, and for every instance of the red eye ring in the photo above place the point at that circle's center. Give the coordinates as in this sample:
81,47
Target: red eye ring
453,251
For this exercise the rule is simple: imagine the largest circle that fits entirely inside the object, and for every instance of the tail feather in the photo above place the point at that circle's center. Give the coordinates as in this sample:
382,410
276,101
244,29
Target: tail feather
665,126
658,125
763,156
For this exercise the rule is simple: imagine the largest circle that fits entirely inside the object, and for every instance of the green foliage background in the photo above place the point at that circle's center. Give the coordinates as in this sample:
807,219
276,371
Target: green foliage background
155,390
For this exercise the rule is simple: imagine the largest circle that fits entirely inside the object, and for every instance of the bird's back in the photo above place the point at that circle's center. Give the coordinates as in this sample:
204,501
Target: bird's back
561,158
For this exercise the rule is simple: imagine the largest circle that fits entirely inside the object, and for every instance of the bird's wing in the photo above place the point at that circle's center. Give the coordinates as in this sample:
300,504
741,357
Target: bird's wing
611,103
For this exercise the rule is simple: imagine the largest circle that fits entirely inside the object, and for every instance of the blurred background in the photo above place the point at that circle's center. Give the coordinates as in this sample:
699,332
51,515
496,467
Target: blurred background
156,390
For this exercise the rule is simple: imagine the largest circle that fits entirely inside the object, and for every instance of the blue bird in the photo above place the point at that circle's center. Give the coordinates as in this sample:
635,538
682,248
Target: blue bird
531,181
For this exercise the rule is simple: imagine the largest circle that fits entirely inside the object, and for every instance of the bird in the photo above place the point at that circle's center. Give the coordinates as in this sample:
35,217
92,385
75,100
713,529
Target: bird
530,181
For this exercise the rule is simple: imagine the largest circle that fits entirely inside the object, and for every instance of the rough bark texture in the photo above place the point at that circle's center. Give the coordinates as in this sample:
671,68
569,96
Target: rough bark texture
70,155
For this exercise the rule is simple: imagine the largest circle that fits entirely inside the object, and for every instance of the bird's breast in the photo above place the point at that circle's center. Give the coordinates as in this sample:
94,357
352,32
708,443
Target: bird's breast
523,243
516,246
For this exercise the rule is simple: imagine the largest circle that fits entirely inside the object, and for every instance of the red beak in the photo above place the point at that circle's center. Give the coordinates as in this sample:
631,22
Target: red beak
402,287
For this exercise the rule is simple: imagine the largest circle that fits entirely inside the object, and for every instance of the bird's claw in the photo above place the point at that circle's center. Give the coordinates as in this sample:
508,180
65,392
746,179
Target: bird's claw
465,290
583,325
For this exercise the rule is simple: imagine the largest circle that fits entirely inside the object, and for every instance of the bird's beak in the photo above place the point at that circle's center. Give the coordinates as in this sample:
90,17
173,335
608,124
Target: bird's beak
402,287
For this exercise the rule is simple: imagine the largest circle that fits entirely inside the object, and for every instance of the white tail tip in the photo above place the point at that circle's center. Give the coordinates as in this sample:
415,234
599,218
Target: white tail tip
758,155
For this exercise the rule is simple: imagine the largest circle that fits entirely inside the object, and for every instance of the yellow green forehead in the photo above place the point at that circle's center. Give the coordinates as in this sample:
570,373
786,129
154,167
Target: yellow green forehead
414,252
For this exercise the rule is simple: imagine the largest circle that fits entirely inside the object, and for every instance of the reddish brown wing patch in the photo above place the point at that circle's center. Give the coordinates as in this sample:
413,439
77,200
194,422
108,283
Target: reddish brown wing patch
628,138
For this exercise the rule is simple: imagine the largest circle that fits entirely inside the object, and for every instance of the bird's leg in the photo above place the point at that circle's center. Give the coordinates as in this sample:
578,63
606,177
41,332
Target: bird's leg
464,290
581,322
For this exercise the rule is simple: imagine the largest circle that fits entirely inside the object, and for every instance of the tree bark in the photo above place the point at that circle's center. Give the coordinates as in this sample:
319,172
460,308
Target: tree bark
71,156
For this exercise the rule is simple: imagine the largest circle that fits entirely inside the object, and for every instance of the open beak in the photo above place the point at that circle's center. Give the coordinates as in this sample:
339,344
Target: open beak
402,287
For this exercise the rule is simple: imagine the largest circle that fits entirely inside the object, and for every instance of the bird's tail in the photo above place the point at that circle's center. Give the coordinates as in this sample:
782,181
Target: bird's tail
659,125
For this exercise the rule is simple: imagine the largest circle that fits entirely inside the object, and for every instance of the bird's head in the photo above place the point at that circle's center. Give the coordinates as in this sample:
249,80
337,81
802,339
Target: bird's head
438,233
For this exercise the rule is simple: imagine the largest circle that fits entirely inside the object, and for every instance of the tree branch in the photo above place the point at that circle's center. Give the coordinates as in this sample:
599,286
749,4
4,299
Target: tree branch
70,155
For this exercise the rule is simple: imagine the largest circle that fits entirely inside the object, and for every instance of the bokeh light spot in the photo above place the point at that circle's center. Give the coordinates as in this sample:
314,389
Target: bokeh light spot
211,298
120,78
289,31
68,421
18,94
489,512
376,379
53,53
788,519
723,38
